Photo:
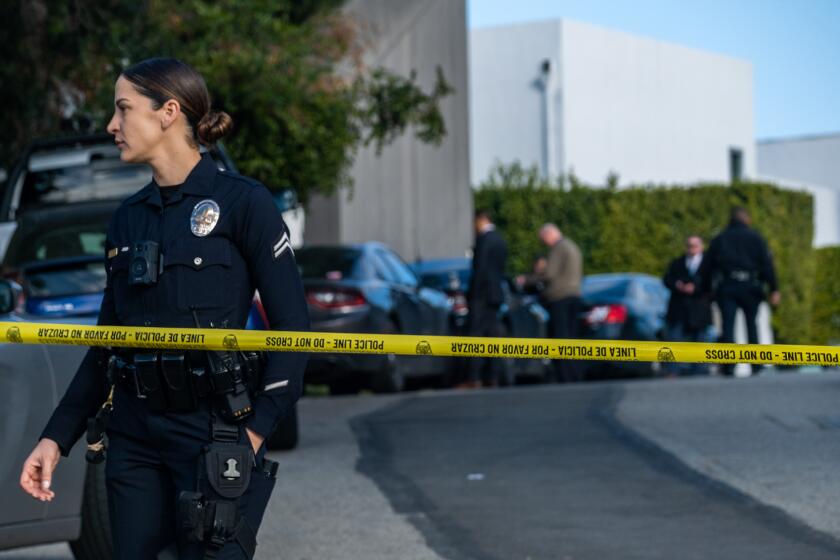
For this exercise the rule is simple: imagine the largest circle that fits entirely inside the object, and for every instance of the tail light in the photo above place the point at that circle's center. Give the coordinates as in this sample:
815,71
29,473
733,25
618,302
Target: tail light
261,310
458,301
335,298
608,314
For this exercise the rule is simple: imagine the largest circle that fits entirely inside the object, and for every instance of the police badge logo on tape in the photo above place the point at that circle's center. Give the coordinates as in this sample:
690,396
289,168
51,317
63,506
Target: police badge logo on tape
666,355
13,335
204,217
230,342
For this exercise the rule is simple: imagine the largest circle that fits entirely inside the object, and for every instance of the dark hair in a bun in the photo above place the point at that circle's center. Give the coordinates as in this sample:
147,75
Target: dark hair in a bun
212,126
162,79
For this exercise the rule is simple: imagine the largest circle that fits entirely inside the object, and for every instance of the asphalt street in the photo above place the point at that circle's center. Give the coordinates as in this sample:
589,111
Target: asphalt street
706,468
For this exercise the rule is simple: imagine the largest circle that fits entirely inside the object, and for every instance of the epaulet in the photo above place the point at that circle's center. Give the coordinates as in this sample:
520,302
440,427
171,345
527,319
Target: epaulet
239,178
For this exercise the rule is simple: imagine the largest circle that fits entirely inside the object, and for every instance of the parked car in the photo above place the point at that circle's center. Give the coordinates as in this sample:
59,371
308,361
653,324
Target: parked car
522,315
367,288
60,197
622,306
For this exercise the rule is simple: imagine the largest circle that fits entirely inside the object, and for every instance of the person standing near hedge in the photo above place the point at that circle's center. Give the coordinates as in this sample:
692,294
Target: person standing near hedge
561,275
740,266
485,295
689,309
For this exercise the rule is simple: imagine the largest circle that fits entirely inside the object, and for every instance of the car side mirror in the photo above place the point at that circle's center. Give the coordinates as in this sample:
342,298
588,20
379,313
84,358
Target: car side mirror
10,292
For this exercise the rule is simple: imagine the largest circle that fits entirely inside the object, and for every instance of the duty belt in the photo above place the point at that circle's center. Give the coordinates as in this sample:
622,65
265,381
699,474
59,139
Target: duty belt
181,381
741,275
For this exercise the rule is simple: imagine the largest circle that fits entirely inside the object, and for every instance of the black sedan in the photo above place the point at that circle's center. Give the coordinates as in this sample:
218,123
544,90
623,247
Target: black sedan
367,288
522,315
622,306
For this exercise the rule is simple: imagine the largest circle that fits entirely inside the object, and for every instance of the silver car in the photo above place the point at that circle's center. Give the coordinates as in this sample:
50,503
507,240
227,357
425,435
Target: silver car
32,380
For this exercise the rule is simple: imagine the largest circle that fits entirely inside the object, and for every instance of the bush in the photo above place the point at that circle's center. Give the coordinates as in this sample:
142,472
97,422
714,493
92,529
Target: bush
641,229
825,316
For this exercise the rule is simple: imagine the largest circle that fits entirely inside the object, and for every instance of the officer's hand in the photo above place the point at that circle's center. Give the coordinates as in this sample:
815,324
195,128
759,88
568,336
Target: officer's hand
775,297
256,439
36,476
688,288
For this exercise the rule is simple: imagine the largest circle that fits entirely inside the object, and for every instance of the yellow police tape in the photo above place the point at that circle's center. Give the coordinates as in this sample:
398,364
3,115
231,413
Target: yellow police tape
406,344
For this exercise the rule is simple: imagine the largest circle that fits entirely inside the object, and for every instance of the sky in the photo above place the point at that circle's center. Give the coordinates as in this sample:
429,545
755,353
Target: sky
794,46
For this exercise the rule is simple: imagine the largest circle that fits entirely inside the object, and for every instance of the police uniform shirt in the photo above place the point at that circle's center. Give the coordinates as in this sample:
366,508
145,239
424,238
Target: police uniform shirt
221,237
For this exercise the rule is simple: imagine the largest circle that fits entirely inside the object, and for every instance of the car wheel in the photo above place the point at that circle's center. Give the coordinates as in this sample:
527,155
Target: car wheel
285,437
94,542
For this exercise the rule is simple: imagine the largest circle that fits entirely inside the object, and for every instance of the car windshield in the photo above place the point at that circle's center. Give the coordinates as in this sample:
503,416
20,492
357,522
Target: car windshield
59,242
84,278
605,289
53,181
332,263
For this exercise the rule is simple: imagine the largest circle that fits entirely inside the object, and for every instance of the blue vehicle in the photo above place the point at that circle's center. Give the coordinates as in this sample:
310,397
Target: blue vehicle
521,314
367,288
622,306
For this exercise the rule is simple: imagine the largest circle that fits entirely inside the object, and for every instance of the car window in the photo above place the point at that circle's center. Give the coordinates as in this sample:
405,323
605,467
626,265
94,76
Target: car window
101,179
75,240
605,289
382,270
80,280
332,263
398,268
655,293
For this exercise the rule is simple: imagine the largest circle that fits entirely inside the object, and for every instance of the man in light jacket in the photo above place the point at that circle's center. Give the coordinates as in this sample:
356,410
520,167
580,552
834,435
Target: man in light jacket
560,275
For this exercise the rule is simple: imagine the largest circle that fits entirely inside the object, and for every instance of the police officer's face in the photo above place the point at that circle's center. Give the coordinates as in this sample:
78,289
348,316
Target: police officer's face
137,127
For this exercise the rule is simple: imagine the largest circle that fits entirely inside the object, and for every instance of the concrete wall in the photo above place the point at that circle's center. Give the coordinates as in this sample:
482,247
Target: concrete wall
414,197
648,110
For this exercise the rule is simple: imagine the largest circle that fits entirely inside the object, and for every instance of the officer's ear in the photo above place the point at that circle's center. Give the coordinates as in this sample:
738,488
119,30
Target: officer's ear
170,111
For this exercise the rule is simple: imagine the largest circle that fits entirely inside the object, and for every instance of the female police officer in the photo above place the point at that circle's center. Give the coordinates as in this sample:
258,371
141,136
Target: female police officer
187,250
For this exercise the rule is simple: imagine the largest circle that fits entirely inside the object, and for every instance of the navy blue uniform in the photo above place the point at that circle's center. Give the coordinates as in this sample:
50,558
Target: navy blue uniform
211,275
740,265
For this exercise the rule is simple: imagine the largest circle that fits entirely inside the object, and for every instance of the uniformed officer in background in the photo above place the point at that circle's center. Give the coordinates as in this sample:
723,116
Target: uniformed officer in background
740,266
185,467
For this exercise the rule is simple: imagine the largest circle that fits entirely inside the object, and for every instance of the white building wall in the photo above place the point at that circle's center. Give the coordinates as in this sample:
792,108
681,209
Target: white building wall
812,159
811,164
653,112
506,103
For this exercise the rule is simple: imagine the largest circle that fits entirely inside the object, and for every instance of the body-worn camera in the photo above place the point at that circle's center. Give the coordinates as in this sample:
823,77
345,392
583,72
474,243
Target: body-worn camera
145,264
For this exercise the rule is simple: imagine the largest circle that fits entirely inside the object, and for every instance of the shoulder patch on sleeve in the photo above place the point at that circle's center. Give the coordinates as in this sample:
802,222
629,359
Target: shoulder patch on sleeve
281,246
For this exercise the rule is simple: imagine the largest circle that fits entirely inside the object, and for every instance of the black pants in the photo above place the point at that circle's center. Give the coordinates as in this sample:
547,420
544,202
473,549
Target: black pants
731,296
484,321
151,459
563,323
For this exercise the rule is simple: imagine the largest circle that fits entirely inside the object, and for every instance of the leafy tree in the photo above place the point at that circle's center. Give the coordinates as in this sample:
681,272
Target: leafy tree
291,73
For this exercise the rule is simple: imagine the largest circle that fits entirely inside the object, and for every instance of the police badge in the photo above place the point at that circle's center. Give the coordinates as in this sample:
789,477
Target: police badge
205,216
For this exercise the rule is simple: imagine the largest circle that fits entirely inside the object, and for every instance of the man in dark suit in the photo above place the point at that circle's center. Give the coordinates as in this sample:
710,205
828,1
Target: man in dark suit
485,295
689,309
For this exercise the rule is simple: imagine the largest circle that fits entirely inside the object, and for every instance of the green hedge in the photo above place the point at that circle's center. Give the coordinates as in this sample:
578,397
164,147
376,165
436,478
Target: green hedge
825,317
641,229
